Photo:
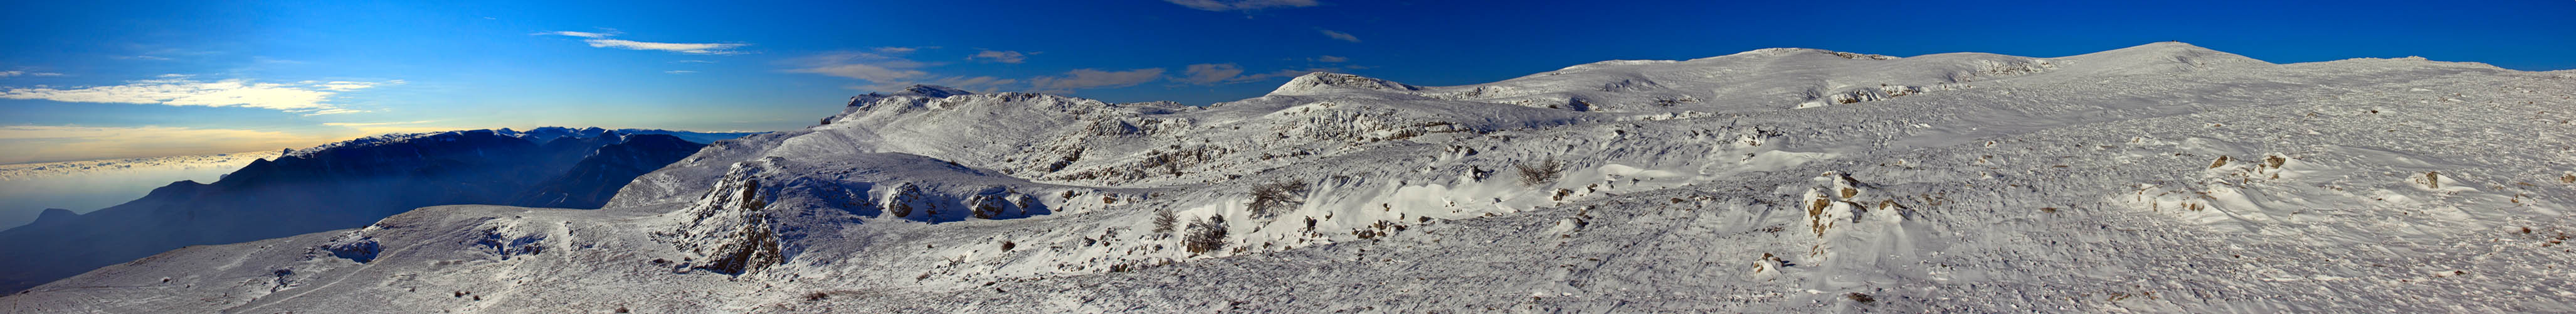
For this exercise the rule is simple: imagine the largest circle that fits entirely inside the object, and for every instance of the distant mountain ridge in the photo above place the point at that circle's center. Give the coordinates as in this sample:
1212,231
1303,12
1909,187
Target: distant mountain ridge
341,185
589,183
543,134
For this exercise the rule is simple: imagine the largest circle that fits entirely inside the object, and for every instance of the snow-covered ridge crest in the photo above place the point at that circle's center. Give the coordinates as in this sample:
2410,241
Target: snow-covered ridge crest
2155,58
924,91
540,135
1789,51
376,140
1323,82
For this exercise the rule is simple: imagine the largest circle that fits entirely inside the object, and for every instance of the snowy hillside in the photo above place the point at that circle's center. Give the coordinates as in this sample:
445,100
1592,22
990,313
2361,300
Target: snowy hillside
334,186
2160,178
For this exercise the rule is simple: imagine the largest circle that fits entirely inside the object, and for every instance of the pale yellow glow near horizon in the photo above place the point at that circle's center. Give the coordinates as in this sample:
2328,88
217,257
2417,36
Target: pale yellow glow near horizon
42,143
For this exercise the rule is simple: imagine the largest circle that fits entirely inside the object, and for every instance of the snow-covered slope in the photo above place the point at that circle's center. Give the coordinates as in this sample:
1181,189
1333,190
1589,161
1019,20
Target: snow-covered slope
335,186
2164,178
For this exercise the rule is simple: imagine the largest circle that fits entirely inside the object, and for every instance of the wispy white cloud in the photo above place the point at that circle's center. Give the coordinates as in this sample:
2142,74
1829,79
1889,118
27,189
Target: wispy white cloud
860,65
345,85
1003,56
886,70
1241,5
308,97
688,48
578,34
693,61
1329,59
1229,73
1275,74
1091,78
679,71
18,73
1210,73
1340,35
602,40
969,83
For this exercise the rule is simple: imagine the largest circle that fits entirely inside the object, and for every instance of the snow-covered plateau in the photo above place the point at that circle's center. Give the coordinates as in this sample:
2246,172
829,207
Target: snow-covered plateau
2159,178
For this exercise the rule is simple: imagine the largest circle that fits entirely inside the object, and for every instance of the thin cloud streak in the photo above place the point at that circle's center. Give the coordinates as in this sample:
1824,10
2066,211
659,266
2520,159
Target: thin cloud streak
687,48
308,97
602,40
1003,56
578,34
885,70
1229,73
1209,73
1091,78
1340,35
1241,5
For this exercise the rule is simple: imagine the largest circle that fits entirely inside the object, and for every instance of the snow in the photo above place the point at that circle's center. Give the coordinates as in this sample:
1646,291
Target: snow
2159,178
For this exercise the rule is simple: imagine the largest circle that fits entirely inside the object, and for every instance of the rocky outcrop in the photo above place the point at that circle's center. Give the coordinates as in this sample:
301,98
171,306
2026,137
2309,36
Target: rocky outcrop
729,230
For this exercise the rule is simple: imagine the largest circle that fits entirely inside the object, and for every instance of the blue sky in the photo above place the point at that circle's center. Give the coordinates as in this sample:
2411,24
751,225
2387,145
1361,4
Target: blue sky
103,79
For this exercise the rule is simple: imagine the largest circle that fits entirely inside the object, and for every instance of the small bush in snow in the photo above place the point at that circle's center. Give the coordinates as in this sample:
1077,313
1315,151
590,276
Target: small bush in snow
1541,173
1163,220
1276,196
1206,235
